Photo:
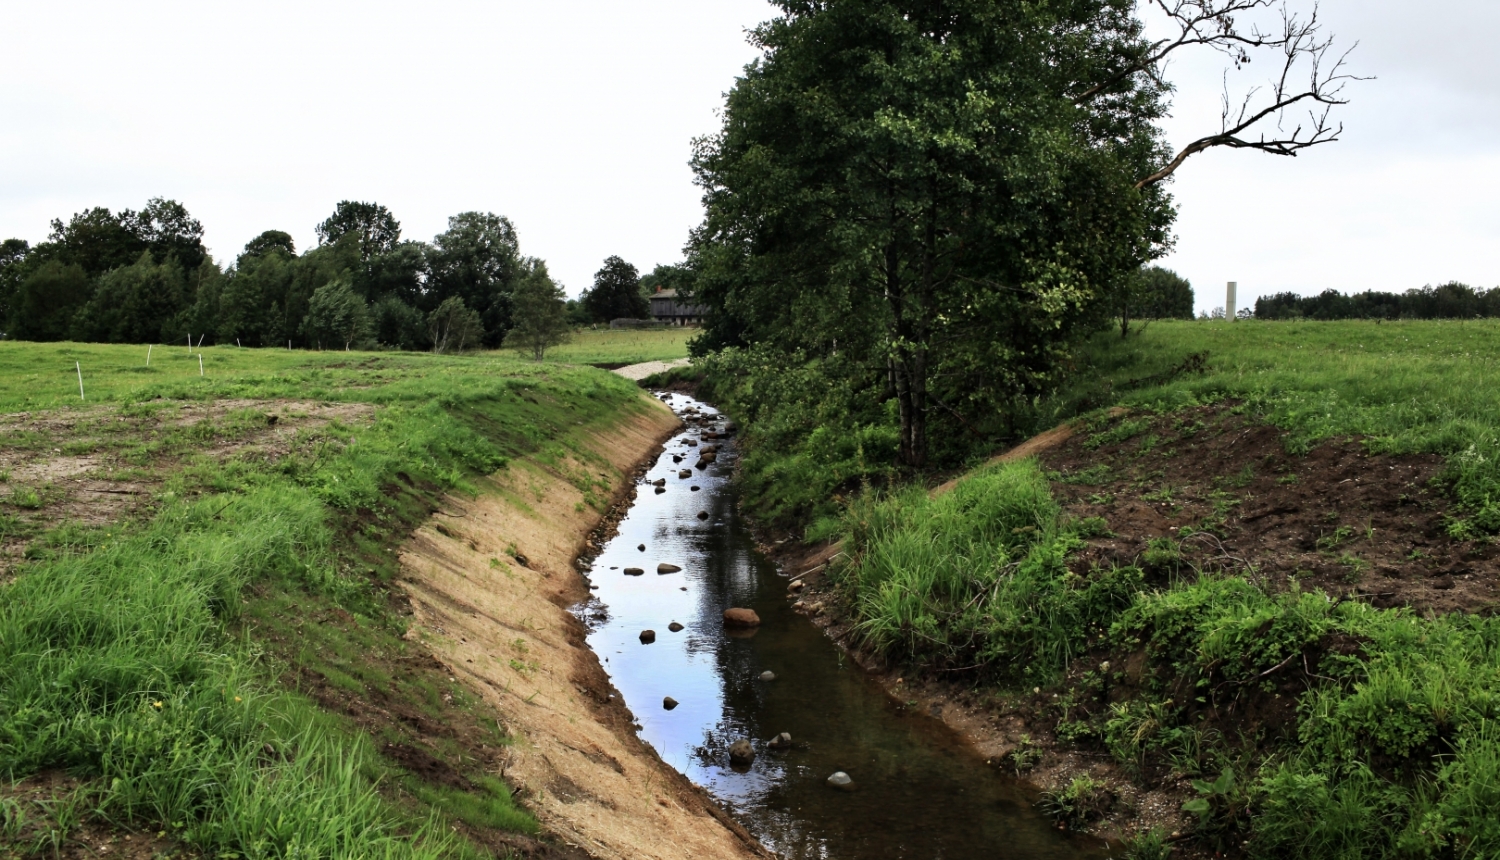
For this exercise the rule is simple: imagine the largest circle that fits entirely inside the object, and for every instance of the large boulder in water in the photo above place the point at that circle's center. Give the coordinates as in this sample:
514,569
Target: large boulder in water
738,617
741,753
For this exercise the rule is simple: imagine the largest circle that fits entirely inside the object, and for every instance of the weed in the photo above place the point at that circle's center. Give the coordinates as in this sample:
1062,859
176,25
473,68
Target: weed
1287,479
1150,845
26,498
1093,476
1161,554
1025,756
1079,802
1121,432
1334,539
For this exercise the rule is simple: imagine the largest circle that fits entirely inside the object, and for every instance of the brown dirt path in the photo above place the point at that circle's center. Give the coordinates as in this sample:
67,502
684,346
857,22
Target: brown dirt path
490,581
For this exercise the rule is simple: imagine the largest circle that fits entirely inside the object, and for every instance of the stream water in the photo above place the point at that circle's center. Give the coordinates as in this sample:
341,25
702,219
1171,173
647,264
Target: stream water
919,790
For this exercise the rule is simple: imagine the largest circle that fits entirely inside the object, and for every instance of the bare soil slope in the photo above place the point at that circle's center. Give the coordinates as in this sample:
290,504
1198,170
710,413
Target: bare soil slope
490,581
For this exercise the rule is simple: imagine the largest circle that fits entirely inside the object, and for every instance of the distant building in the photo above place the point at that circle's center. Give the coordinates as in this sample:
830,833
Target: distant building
666,308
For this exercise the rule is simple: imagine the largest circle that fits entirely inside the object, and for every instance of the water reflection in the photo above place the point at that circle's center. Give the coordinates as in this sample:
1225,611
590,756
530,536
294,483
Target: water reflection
919,792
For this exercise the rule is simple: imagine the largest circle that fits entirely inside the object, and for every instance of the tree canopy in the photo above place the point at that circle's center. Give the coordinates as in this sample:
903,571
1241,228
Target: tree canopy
145,277
541,313
915,186
616,293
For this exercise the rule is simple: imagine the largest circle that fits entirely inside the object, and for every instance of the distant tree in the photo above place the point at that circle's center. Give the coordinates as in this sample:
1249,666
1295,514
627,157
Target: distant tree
616,293
539,313
336,315
454,327
252,300
12,272
1153,293
47,300
96,240
132,303
399,325
477,259
403,272
271,240
665,277
168,231
372,228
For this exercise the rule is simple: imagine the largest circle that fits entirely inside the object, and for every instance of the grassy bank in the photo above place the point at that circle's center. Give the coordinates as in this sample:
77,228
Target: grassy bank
1310,721
164,660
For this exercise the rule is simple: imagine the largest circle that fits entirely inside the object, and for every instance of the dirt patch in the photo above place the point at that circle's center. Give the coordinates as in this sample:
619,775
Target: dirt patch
503,628
99,466
1221,491
47,829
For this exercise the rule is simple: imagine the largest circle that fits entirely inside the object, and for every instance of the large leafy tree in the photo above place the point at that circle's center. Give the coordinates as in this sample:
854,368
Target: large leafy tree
271,240
371,228
132,303
336,317
916,186
477,259
616,293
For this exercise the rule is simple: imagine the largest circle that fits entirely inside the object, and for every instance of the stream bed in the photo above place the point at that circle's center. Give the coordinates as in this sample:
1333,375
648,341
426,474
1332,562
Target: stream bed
919,790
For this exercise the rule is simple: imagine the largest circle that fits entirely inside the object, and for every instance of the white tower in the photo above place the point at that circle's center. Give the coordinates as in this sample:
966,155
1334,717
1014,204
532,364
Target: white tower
1229,300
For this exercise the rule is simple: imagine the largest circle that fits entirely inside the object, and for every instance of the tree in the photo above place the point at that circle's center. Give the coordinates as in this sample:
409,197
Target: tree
168,231
1153,293
454,327
371,227
272,240
477,259
47,301
912,185
540,312
12,271
336,315
665,277
616,293
944,195
132,303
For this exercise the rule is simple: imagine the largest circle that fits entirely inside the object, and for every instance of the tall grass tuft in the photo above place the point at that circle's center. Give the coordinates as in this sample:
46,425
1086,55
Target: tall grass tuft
977,577
117,666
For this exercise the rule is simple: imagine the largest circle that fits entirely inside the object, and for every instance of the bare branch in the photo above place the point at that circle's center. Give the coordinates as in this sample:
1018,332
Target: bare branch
1206,23
1303,48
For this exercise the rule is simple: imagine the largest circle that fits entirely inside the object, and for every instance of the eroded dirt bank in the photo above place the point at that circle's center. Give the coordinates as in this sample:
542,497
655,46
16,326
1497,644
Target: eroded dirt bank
1225,496
490,581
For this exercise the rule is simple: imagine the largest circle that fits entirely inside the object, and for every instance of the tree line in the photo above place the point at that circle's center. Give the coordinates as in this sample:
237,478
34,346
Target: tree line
145,277
1448,301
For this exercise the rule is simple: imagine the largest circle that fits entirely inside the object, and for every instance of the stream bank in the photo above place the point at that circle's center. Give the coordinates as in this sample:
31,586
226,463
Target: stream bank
671,565
490,579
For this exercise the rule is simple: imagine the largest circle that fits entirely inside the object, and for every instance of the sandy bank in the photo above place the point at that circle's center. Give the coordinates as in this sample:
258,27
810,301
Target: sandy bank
490,581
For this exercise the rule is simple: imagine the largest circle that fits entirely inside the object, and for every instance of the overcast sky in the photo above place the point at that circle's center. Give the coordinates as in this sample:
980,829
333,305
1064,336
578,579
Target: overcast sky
574,119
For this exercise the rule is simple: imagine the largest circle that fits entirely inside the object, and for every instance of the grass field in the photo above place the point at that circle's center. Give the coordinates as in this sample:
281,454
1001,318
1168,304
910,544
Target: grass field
45,375
1315,725
624,347
261,496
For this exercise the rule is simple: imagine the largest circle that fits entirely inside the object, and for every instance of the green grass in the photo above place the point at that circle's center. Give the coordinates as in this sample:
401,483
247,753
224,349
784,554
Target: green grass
1392,748
123,654
1403,387
624,346
43,376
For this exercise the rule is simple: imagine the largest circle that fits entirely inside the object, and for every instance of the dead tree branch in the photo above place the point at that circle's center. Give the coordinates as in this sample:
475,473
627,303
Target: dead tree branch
1305,51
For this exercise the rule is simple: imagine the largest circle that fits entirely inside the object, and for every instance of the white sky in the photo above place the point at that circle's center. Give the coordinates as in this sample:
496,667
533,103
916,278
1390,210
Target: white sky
574,117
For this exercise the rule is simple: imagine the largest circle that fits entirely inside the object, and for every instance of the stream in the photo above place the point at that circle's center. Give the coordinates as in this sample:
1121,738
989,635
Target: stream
919,790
